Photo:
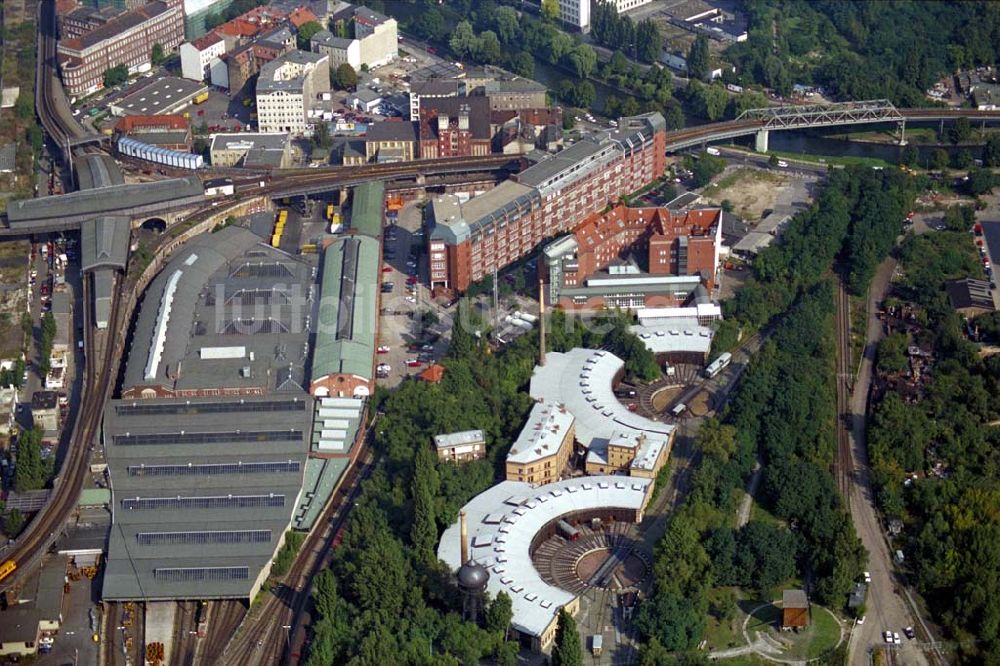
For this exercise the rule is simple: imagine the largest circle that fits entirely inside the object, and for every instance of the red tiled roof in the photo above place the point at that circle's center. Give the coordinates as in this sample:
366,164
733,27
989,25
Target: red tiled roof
168,122
206,40
433,374
300,16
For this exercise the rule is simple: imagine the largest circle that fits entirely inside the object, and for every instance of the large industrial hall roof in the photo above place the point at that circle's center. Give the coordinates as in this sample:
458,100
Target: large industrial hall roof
503,521
227,312
581,379
203,491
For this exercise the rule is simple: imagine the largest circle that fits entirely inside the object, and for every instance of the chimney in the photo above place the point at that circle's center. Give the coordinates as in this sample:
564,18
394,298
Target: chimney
463,117
442,122
464,537
541,316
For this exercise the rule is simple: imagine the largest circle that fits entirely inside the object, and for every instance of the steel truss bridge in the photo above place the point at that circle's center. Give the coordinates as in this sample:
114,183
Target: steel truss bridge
822,115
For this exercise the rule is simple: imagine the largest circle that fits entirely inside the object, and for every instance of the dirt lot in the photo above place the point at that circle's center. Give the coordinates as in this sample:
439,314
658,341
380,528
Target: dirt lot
749,190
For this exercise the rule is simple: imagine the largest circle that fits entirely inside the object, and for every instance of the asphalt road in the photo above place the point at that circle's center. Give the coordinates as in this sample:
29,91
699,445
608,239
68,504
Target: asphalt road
886,607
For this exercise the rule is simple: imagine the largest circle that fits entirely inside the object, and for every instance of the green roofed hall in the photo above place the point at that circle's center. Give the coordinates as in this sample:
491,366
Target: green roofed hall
366,208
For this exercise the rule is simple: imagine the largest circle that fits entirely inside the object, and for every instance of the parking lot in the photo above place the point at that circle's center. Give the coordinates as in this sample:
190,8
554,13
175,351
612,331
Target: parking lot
412,326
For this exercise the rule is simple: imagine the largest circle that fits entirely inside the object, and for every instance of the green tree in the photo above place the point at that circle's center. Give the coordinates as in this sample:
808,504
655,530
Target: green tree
708,101
499,614
891,353
116,75
963,159
463,40
523,64
158,55
940,159
960,130
423,532
981,181
321,135
305,34
345,78
13,523
630,107
488,49
430,25
508,25
716,439
550,10
991,152
35,138
909,155
583,60
24,106
29,468
649,41
566,651
698,59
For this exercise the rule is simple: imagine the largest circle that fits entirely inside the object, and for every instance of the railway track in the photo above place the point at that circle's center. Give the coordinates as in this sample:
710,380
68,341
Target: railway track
842,462
268,631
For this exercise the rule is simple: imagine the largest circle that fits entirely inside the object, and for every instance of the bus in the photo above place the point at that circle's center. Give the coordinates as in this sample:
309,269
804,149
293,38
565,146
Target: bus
7,568
718,365
678,409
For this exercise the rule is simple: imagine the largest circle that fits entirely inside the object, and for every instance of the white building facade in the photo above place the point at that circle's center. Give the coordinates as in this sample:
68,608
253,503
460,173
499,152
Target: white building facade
197,56
286,88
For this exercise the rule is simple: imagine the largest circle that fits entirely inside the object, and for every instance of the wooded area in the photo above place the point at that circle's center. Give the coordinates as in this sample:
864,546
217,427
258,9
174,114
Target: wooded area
945,438
864,50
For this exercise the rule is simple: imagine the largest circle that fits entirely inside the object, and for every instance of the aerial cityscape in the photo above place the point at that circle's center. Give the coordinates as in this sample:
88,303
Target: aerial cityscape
542,332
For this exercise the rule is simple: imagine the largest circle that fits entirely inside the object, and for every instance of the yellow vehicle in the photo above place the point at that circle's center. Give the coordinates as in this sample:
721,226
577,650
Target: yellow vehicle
329,211
308,249
201,97
276,239
7,568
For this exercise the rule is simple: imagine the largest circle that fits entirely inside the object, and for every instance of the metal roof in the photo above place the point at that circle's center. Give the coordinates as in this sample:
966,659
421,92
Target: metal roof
677,335
526,511
581,379
367,206
461,438
104,242
224,289
96,171
345,335
201,502
162,96
105,200
542,434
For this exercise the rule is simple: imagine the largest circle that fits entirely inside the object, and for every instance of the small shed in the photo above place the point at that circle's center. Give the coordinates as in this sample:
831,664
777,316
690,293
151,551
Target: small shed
433,374
794,609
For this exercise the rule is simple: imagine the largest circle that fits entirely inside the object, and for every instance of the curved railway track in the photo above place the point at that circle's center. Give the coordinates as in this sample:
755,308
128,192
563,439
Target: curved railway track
268,631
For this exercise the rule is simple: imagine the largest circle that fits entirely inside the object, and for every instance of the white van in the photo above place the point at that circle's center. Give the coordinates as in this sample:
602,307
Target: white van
712,151
783,164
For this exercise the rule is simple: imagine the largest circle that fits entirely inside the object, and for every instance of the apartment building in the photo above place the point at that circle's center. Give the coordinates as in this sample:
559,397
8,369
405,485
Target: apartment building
375,42
542,450
460,446
471,239
125,40
576,13
285,89
197,56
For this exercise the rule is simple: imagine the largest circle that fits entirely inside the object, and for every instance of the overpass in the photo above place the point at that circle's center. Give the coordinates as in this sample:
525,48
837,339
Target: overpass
168,198
761,122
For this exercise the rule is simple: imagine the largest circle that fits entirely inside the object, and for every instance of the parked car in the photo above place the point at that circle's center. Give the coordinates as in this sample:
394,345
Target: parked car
412,363
382,349
861,620
387,269
909,632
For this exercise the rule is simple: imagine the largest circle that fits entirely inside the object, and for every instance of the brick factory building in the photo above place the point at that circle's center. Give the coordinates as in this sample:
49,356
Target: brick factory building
124,40
469,240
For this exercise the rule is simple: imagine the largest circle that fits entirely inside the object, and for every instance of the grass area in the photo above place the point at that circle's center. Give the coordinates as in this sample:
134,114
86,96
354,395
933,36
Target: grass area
761,515
749,191
820,637
745,660
722,633
859,325
832,160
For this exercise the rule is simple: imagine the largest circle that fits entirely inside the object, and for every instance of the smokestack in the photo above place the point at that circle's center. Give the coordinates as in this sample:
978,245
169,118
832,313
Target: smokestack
464,536
541,316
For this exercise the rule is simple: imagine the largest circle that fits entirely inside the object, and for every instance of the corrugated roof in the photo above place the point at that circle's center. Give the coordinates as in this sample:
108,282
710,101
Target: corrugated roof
345,337
186,466
526,512
117,198
104,242
367,207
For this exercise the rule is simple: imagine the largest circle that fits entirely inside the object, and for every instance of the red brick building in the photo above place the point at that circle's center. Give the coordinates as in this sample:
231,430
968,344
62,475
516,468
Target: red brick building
455,127
125,40
470,239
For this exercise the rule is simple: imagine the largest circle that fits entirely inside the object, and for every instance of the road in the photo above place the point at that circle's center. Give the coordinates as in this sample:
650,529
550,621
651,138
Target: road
887,608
